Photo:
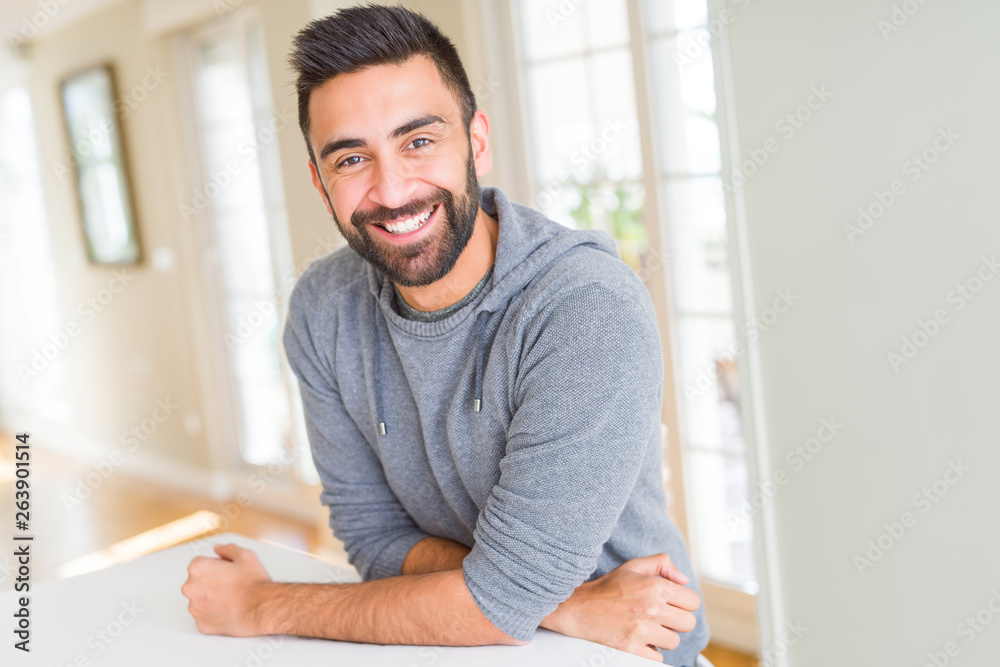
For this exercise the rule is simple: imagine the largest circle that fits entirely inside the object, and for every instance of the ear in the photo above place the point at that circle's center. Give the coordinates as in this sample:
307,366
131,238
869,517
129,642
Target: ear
479,135
318,184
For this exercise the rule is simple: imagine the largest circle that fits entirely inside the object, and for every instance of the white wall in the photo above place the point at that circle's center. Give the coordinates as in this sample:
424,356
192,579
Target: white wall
827,356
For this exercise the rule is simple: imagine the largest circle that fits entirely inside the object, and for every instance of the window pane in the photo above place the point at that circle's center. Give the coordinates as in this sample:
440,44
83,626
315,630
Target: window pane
251,356
251,320
549,30
685,105
585,145
221,82
665,15
562,119
615,142
267,409
710,389
696,217
28,300
607,23
583,113
245,252
242,237
613,207
724,539
691,67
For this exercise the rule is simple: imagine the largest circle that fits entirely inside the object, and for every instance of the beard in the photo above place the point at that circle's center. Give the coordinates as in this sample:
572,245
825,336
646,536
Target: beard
432,257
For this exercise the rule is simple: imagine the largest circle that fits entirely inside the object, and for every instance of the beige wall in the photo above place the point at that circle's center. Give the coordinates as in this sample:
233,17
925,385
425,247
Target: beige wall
139,348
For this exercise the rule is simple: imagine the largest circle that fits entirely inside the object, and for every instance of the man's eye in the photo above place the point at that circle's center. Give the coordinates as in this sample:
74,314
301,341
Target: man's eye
419,143
351,161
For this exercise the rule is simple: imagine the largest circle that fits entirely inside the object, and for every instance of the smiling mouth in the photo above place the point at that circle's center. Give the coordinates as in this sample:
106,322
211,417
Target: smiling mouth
409,224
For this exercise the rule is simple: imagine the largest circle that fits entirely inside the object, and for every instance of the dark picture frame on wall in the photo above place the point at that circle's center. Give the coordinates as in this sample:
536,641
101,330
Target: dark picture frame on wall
103,189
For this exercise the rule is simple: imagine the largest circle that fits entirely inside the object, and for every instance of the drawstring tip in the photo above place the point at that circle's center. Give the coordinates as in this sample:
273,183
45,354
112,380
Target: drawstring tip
381,428
475,404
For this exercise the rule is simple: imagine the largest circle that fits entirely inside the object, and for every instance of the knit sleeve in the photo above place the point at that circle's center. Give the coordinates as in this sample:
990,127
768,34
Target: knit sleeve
587,394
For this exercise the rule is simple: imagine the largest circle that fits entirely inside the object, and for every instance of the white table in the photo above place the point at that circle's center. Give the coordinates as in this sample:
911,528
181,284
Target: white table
134,615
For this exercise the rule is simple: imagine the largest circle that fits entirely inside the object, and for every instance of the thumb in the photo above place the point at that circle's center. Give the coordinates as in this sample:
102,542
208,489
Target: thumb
659,565
230,552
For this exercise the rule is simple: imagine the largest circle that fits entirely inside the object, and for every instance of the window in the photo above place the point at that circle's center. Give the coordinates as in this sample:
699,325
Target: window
241,201
587,166
31,333
682,74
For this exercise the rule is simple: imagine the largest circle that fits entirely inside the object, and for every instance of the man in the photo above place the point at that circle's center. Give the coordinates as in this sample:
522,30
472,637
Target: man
481,386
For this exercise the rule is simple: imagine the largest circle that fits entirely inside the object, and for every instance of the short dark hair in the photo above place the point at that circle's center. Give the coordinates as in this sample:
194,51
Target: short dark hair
356,38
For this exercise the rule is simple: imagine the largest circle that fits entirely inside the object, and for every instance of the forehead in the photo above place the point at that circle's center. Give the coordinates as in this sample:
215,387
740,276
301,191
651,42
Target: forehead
371,103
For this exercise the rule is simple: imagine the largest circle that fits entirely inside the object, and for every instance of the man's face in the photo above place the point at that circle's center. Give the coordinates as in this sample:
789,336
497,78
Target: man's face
397,168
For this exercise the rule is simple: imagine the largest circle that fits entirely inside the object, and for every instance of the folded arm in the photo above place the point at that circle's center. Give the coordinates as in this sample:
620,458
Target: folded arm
643,603
233,595
423,609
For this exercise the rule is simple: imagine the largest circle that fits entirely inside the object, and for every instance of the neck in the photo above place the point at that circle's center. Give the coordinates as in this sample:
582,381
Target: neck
472,265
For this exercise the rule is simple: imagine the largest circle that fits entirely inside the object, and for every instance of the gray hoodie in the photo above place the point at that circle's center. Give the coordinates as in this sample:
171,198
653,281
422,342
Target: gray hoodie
526,425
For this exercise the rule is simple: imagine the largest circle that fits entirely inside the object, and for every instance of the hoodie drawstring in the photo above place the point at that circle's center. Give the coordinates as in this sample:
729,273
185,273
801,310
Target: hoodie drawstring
378,375
477,400
478,392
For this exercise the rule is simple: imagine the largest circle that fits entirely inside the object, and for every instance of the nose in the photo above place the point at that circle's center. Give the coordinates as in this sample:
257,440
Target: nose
393,184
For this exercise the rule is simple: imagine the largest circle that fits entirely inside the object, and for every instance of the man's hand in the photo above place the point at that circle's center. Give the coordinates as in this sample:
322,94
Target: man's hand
226,592
639,605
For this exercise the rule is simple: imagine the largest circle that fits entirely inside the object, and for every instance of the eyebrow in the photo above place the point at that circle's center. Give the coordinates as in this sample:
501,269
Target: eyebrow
420,121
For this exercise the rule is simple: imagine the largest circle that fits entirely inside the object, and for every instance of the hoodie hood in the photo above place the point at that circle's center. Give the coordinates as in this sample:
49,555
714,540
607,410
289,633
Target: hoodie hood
527,243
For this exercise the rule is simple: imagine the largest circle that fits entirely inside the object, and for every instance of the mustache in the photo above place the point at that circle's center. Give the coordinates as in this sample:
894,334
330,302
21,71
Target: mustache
382,214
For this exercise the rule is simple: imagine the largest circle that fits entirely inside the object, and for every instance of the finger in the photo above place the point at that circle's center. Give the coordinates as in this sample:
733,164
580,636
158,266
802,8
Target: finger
676,595
675,618
659,565
649,652
648,565
230,552
670,571
664,638
197,563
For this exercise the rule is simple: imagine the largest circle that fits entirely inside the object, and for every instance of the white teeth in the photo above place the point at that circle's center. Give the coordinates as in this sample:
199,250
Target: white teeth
409,225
